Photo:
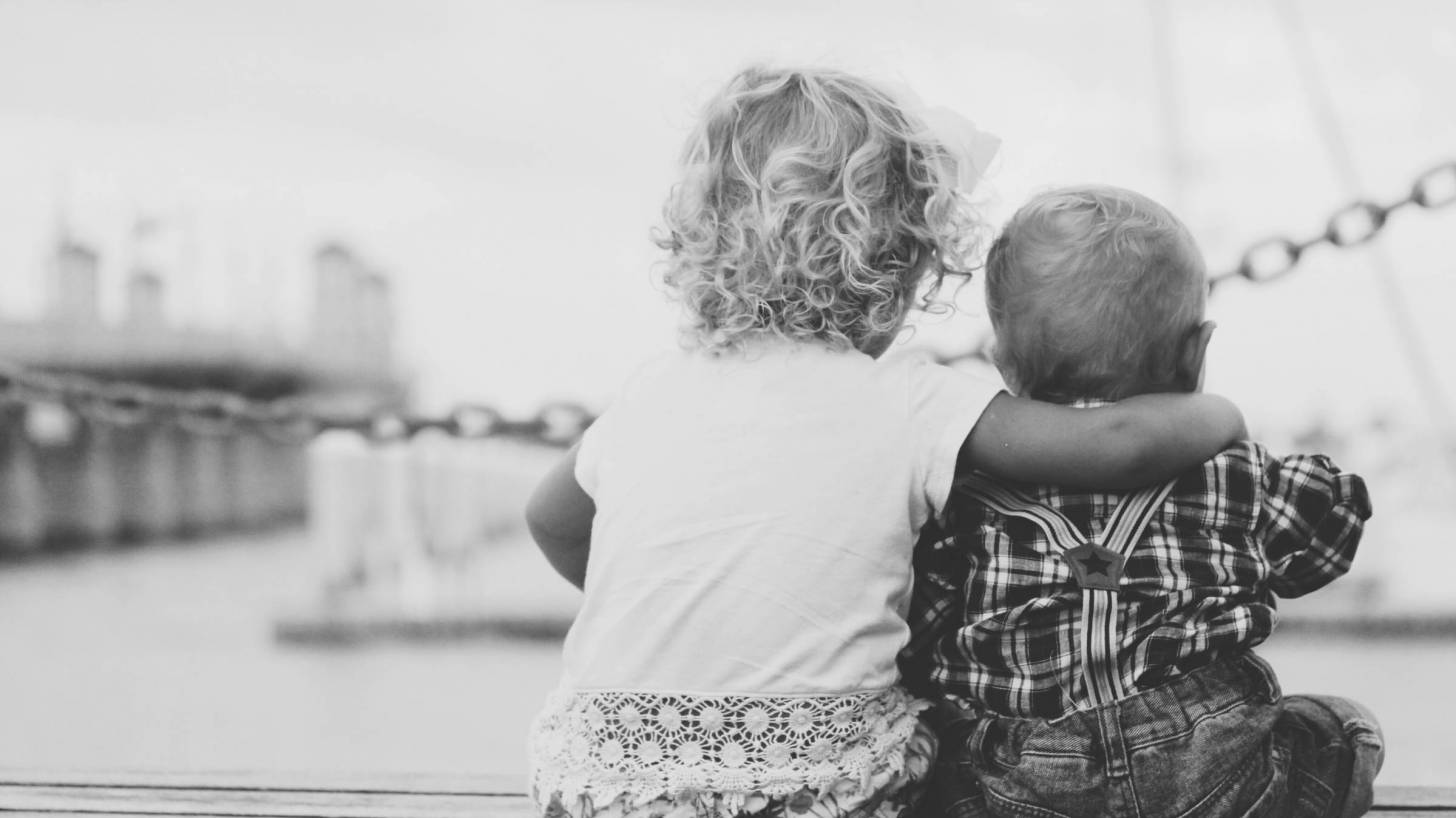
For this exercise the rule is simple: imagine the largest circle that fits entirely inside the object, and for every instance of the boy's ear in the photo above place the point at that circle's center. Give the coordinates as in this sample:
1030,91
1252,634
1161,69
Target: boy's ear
1008,372
1190,358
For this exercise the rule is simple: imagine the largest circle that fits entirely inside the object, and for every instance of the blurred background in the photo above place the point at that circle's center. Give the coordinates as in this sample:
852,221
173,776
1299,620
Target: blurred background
218,215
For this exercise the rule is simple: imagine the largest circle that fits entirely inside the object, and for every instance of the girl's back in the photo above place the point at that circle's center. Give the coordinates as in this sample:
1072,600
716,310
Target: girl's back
754,517
752,503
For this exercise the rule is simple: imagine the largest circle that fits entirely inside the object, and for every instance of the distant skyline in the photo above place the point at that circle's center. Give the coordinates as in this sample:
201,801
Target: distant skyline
504,162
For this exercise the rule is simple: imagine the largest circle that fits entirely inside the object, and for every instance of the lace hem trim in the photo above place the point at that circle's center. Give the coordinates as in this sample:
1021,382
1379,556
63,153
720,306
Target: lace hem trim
647,745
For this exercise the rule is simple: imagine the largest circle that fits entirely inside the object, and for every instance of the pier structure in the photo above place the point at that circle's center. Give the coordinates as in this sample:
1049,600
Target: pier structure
75,470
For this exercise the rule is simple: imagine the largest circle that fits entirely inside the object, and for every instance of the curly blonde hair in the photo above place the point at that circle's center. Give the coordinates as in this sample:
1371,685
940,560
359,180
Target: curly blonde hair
812,206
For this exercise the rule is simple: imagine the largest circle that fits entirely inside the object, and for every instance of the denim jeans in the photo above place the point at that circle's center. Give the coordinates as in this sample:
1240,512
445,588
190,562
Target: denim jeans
1220,741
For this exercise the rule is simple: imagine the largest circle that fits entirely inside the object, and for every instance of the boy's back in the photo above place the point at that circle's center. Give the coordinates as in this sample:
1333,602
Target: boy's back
1092,652
996,611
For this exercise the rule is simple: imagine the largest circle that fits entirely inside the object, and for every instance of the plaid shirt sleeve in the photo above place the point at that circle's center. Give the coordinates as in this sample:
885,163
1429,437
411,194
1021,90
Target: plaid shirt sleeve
936,607
1310,521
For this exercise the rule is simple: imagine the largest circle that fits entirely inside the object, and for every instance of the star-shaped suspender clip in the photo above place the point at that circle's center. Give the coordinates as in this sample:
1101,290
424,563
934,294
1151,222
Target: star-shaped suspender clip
1094,566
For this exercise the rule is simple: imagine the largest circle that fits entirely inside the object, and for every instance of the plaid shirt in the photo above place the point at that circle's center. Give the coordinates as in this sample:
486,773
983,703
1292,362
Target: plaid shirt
994,614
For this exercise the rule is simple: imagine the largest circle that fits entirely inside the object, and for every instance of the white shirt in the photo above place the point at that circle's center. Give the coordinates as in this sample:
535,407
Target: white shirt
755,516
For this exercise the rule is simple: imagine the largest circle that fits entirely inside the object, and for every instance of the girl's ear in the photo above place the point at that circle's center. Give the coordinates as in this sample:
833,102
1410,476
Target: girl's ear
1191,356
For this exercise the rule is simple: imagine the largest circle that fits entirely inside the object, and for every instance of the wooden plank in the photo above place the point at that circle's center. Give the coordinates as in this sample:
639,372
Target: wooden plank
258,803
293,795
262,795
483,784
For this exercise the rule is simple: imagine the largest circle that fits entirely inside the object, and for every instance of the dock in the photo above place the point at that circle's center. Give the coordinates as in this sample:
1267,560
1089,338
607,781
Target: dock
256,795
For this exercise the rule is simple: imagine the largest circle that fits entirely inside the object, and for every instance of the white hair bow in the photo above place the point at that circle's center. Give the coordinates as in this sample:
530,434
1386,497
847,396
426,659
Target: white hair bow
971,148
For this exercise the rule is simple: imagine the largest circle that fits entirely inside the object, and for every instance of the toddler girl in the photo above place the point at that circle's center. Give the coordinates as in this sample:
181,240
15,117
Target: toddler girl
750,503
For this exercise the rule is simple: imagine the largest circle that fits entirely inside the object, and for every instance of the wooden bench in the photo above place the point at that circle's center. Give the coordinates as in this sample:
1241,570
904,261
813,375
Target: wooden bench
259,795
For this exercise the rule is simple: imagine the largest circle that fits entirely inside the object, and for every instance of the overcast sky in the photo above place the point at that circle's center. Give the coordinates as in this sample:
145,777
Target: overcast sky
503,162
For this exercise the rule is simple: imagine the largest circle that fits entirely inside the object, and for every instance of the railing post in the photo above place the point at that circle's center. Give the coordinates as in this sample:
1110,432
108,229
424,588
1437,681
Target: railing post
202,489
22,500
148,484
339,497
76,470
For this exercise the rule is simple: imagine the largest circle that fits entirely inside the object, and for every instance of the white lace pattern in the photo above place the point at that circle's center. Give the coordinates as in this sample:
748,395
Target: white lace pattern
646,745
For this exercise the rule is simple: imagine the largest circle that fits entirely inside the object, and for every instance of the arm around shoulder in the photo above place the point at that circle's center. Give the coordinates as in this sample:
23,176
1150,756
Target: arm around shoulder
559,516
1135,442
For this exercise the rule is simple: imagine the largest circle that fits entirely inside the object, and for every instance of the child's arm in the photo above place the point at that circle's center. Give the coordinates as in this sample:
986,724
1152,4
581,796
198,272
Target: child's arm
559,516
1311,516
1134,442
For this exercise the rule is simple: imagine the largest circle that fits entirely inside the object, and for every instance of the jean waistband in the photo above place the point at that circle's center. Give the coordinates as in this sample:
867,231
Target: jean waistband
1169,709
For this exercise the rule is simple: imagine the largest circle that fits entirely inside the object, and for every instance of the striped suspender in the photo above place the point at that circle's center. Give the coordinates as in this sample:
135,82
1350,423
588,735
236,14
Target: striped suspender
1096,566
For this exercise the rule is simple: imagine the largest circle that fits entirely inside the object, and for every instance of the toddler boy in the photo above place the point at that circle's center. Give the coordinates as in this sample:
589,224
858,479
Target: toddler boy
1092,652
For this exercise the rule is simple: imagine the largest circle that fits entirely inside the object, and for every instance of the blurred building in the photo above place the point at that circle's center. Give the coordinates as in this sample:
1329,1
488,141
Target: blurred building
75,469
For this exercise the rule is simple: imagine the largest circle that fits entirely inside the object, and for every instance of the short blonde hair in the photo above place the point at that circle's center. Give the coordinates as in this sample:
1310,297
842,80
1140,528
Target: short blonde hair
812,206
1092,291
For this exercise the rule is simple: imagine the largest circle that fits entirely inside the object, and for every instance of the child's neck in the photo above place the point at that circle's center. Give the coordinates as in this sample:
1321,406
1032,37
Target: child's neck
1110,394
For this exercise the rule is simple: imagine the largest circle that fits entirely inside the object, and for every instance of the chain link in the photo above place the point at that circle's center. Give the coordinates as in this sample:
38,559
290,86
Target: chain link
471,421
289,420
1352,225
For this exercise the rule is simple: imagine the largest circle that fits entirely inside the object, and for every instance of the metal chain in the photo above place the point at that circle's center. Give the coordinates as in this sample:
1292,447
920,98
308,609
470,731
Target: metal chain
1354,224
296,420
290,420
